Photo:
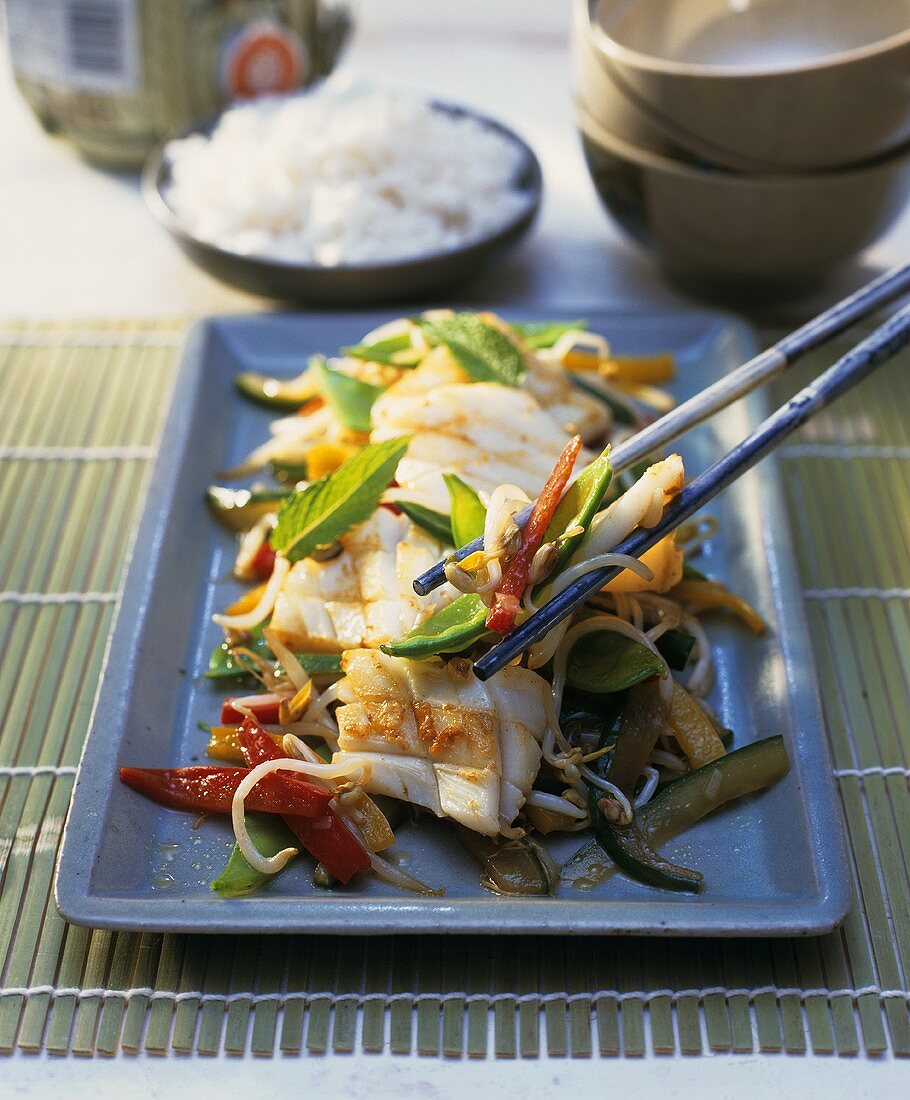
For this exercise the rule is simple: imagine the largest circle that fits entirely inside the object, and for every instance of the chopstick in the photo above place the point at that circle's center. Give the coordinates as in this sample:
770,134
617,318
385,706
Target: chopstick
756,372
850,369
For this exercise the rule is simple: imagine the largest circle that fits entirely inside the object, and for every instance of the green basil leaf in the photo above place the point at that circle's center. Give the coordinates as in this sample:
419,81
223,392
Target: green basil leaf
270,835
324,510
468,513
605,662
544,334
350,398
434,523
380,351
483,352
450,630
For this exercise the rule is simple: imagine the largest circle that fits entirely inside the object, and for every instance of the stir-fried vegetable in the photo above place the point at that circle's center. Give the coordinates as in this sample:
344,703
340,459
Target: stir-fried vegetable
208,789
642,721
688,799
327,838
519,867
608,662
239,509
633,754
695,733
270,835
516,575
350,398
467,510
450,630
275,393
705,595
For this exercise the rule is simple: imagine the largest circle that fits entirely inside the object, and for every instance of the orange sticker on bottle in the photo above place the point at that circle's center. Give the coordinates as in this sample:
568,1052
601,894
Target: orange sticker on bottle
264,58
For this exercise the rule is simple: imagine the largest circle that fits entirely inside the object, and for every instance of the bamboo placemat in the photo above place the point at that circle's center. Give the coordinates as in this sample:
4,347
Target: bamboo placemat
81,407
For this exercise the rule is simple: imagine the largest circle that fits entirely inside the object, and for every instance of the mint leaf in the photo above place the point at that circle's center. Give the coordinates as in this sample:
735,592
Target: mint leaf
323,511
482,351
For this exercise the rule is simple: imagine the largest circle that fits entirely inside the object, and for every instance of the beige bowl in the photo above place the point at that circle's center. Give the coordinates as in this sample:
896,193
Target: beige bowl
742,234
775,85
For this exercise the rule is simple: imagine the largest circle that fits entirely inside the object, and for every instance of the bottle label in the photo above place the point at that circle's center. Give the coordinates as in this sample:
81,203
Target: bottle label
84,45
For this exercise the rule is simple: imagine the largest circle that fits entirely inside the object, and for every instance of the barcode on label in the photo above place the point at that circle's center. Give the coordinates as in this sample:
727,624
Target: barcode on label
97,36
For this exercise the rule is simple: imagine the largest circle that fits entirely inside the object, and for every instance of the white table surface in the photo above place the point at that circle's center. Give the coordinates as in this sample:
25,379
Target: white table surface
76,241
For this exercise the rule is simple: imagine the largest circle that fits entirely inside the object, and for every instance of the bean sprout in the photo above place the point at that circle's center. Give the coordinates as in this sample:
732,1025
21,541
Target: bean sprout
652,778
555,804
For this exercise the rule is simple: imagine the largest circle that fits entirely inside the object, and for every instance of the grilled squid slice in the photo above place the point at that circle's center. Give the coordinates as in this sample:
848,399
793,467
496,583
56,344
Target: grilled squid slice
434,735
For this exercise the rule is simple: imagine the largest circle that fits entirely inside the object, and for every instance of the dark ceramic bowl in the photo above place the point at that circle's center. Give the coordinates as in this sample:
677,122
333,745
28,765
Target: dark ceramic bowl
413,278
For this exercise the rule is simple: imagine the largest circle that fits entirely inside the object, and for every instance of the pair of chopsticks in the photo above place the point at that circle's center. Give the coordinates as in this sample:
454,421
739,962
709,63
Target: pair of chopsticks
853,367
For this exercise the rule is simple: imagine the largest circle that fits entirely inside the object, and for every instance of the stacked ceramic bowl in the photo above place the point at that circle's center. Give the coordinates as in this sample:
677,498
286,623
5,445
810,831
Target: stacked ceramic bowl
752,144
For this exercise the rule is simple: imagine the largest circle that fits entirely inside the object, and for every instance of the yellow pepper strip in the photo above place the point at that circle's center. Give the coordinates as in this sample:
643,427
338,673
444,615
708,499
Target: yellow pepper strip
629,369
694,731
545,821
325,458
224,744
370,820
642,370
664,559
247,601
291,710
701,596
648,395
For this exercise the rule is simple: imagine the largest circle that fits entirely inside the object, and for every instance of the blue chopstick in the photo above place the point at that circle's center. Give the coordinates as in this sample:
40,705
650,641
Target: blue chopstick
759,370
853,367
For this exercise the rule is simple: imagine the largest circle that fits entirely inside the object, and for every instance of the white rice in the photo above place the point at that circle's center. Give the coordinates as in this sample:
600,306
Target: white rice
342,176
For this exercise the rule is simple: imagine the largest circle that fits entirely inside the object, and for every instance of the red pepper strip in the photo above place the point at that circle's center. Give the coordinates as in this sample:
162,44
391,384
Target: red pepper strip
327,839
515,576
263,564
265,707
208,789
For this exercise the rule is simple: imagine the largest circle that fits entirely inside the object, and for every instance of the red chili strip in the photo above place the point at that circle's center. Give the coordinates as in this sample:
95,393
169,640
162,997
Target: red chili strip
515,576
327,838
211,789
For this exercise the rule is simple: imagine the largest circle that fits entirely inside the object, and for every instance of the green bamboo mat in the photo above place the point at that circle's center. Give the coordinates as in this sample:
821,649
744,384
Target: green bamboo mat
81,407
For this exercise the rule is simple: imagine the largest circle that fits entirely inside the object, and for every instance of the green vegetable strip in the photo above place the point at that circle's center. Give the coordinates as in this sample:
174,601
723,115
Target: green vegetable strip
351,399
269,835
690,798
605,662
434,523
544,334
468,514
450,630
380,351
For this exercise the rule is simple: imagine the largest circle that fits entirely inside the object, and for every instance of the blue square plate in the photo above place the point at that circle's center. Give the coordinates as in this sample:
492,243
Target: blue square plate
774,864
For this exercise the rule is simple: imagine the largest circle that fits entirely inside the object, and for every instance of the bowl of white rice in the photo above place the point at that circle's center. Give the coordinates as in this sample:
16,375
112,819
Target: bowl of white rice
345,195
